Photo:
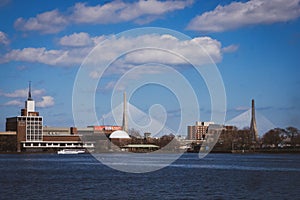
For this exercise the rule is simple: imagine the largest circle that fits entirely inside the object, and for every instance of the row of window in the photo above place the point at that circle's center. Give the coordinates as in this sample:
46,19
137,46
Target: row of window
30,119
31,128
29,123
34,138
53,144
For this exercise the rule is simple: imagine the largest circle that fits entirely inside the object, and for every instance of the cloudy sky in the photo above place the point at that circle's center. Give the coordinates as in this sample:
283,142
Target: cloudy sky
255,45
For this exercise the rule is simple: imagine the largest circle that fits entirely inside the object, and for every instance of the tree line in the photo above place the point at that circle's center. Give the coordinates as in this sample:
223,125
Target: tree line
240,139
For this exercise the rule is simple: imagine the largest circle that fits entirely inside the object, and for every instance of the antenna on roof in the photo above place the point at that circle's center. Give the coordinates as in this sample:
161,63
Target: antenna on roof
29,91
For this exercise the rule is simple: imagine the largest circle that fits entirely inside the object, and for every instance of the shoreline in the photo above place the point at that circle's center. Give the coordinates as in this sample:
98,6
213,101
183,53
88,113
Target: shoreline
261,151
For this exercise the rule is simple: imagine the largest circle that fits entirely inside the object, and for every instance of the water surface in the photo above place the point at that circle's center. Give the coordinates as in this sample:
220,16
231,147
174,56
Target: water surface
217,176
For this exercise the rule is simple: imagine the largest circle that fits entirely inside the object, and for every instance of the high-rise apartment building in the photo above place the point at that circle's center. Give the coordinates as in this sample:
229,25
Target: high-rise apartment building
198,131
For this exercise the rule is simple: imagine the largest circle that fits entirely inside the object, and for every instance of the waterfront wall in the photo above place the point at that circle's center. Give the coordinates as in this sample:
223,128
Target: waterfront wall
8,143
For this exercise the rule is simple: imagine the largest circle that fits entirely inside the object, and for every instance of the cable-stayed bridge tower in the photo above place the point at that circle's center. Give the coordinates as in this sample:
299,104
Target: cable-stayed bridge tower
253,127
125,124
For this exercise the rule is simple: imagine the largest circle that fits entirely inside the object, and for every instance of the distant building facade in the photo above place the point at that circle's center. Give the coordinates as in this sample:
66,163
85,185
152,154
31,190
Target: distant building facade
26,133
8,141
198,131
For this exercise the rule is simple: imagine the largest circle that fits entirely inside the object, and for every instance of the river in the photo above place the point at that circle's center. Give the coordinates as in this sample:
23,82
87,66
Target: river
217,176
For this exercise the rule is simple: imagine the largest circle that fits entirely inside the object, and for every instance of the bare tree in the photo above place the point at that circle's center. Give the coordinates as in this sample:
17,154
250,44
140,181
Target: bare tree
273,137
135,133
294,135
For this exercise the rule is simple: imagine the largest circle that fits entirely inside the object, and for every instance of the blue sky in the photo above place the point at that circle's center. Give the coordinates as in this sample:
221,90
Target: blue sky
255,45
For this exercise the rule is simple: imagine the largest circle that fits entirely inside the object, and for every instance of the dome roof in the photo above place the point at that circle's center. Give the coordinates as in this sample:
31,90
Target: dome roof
119,135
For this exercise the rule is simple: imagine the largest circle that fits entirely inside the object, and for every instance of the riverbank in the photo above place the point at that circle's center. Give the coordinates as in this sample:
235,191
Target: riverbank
256,151
270,151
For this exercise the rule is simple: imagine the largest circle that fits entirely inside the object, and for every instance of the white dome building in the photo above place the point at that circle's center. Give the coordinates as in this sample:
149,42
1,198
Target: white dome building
119,138
119,135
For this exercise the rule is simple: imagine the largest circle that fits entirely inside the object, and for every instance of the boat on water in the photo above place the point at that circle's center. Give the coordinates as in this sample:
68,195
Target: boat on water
71,151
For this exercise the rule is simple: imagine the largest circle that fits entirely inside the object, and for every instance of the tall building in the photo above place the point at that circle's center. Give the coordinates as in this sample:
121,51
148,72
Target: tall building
29,104
25,133
125,125
253,127
28,126
198,131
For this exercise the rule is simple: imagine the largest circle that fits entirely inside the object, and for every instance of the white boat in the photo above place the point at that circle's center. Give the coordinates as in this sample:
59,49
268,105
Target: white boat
71,151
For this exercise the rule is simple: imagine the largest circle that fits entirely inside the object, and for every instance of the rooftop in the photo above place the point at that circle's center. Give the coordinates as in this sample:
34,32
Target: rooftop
8,133
141,146
119,135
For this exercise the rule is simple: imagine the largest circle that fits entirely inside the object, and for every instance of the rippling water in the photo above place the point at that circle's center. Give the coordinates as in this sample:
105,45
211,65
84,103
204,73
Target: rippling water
217,176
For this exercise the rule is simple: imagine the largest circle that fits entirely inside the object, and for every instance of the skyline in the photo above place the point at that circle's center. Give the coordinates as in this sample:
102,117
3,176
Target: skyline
256,53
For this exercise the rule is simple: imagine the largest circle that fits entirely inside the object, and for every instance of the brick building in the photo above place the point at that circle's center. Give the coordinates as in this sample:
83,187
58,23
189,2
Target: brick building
198,131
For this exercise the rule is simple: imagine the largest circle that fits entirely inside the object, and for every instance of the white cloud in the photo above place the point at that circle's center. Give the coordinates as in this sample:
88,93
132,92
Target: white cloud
171,51
94,75
74,56
169,47
99,39
34,55
49,57
99,14
47,101
239,14
23,93
230,48
81,39
4,39
16,93
14,103
118,11
76,40
47,22
112,12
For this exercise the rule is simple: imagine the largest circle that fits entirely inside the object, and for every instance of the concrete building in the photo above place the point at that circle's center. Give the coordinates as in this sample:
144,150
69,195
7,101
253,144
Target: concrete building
198,131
